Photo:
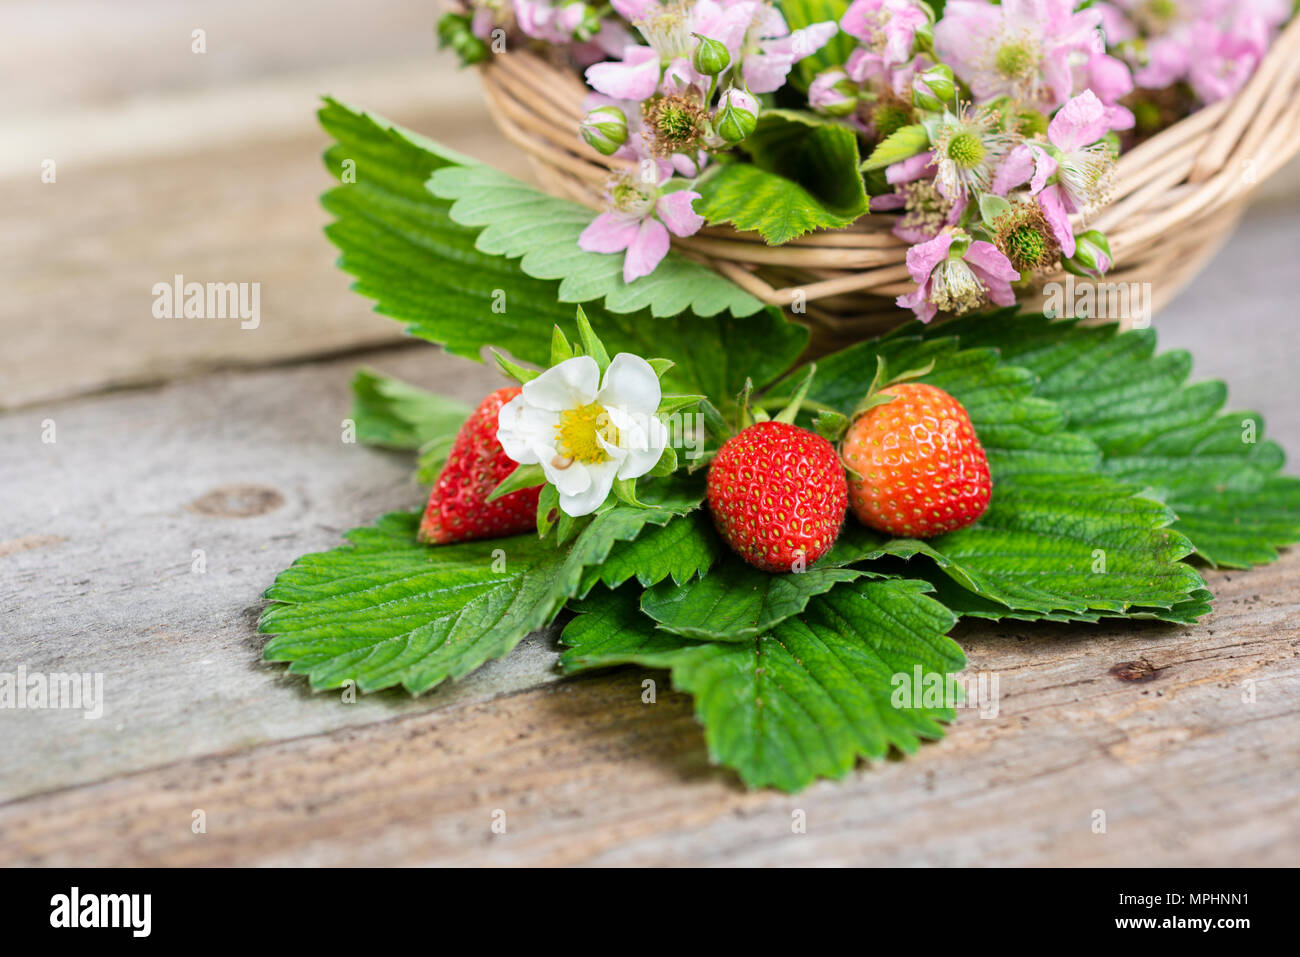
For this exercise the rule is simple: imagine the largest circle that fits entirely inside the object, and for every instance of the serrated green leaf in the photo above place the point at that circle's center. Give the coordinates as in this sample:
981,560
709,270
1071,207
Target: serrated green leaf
1051,514
805,700
804,176
1156,432
1052,543
903,143
423,268
395,415
519,222
680,550
735,601
386,610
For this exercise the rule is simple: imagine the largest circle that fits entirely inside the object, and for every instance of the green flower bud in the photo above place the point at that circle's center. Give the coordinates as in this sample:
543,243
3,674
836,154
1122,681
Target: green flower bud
737,115
454,31
934,88
1091,255
604,129
711,56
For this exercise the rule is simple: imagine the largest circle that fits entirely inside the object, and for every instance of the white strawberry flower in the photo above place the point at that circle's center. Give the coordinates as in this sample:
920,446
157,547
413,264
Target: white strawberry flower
584,431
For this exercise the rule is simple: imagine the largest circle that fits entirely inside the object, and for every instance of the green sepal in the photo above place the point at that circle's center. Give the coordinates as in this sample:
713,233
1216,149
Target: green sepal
667,463
661,366
831,425
560,348
548,510
791,410
514,370
992,206
676,403
525,476
625,491
591,343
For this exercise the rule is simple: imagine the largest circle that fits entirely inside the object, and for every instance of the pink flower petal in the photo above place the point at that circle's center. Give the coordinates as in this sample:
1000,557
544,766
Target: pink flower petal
989,261
646,251
1081,121
636,77
1053,206
608,233
912,168
922,258
887,201
918,302
676,212
1109,78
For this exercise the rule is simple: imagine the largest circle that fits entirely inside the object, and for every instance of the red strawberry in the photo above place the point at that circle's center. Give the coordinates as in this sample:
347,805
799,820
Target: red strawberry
458,509
778,495
923,470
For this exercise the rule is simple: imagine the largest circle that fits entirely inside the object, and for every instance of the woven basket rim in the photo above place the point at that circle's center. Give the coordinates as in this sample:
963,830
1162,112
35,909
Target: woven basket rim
1177,196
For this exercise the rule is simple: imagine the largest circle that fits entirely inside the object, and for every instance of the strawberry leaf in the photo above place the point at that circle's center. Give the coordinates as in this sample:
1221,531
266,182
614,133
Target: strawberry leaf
1157,432
1053,523
392,414
424,268
386,610
805,699
735,601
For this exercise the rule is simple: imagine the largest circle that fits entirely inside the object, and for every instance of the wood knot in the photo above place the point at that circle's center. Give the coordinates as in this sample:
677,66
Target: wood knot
1140,670
237,501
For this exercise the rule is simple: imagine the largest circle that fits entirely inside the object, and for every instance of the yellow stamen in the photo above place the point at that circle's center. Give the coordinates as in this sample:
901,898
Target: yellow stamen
578,431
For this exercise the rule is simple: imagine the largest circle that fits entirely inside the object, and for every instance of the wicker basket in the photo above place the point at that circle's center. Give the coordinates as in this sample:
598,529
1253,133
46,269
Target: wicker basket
1178,196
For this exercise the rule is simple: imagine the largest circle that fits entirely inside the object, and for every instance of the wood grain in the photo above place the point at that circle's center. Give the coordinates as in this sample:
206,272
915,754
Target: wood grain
1184,769
98,539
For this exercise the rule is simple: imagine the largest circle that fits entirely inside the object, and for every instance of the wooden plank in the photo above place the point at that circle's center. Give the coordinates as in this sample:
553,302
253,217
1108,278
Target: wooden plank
98,533
1184,768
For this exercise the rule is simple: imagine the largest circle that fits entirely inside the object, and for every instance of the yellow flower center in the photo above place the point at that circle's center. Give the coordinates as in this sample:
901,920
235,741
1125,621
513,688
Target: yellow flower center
578,431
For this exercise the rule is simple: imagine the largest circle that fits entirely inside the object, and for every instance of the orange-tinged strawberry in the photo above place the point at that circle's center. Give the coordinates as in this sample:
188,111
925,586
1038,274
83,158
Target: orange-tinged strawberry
778,495
458,508
921,469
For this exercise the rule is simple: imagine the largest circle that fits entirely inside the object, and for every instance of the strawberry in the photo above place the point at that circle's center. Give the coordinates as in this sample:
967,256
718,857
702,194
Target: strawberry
922,469
458,509
778,495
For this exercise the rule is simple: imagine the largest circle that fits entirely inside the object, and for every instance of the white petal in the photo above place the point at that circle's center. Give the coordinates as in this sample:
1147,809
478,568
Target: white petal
631,384
602,480
574,480
520,429
566,386
645,456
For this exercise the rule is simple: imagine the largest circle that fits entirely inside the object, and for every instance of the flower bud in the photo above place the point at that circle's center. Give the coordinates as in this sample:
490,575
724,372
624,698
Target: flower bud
933,89
711,56
454,31
737,115
604,129
1091,255
833,93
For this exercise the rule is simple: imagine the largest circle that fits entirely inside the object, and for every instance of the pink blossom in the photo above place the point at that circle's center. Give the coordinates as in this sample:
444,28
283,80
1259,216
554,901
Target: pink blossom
635,77
769,50
1023,49
886,29
957,275
1082,168
639,223
1222,60
926,210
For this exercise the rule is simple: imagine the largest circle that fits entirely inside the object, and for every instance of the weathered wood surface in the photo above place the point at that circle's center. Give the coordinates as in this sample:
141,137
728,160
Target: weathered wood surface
1184,770
98,539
